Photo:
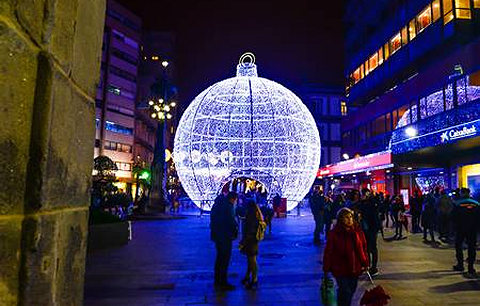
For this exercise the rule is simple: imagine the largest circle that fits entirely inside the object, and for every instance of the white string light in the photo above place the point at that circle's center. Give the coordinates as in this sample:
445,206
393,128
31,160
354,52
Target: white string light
247,126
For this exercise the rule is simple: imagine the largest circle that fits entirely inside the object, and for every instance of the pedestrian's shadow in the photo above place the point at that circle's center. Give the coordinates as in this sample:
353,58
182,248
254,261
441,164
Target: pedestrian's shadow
415,276
470,285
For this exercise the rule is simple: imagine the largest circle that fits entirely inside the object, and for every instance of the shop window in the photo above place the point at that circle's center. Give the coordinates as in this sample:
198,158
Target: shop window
413,111
388,122
448,97
462,91
373,61
379,126
462,9
395,43
356,75
447,11
402,111
424,19
412,29
436,10
380,55
404,36
386,50
423,108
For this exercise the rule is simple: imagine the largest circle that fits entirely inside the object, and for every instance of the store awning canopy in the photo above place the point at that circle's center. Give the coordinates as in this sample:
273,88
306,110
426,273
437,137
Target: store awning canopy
375,161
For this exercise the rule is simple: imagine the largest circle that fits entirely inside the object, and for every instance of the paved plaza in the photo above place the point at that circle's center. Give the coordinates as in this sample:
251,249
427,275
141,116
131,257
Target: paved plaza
169,262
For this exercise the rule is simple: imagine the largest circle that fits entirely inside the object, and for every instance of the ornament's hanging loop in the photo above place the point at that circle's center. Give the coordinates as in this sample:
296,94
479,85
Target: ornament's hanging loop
247,59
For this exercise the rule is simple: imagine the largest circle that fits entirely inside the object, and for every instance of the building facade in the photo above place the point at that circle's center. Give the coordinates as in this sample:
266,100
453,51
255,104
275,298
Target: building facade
327,106
117,90
413,76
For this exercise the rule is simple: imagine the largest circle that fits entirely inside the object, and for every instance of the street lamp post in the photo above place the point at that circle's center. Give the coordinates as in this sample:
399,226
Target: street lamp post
160,110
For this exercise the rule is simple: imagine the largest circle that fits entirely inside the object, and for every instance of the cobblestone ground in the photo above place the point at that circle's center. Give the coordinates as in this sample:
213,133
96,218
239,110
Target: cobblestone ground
170,262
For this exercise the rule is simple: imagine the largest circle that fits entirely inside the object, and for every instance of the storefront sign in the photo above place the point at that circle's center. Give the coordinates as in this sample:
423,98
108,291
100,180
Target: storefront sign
360,164
457,133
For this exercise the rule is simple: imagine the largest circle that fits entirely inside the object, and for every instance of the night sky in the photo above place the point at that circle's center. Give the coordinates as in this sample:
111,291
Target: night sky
295,42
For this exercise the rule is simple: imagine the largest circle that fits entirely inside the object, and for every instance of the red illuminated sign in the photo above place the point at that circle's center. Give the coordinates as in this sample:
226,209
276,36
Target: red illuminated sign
359,164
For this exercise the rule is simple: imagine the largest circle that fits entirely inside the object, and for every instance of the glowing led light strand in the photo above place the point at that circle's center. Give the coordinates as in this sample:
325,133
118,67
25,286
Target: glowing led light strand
247,126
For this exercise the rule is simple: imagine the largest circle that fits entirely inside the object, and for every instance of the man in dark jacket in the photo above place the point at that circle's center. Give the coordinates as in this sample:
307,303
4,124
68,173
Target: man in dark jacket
416,210
223,229
317,206
465,216
371,224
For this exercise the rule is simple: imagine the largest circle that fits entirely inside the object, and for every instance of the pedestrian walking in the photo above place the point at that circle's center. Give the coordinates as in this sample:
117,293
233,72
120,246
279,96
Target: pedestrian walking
345,255
444,210
428,218
252,232
465,216
317,206
223,229
416,210
398,208
370,224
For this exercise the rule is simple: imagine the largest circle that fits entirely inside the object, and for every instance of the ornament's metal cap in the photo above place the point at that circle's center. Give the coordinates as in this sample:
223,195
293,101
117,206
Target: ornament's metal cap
246,65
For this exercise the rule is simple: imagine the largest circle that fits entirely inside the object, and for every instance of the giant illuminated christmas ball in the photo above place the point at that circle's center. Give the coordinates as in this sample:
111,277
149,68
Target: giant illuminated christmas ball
247,126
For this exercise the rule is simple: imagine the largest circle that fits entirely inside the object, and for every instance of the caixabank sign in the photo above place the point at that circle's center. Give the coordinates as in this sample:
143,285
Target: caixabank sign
456,133
438,137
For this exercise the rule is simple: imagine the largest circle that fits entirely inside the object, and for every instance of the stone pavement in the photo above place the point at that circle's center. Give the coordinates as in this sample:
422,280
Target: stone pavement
170,262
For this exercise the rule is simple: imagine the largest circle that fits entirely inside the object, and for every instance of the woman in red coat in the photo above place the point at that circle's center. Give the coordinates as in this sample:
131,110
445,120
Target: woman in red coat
345,255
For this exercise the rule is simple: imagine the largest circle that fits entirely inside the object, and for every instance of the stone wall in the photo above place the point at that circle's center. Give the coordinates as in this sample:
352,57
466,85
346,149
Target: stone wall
49,68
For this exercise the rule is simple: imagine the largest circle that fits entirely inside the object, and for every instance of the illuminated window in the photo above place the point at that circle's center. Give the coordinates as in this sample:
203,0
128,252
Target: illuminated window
367,70
436,10
424,19
476,3
447,11
373,61
462,9
343,108
387,51
395,43
404,36
380,56
362,72
356,75
411,29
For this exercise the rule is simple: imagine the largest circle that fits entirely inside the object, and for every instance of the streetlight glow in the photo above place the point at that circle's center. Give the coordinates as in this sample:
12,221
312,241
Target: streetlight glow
411,132
165,64
151,102
153,115
173,104
346,156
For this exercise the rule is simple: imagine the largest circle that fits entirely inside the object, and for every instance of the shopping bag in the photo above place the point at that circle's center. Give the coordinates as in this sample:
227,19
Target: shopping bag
328,291
375,296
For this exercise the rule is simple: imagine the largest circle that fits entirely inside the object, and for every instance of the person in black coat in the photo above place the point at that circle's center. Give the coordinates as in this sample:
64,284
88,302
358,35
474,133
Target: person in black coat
465,217
428,217
371,224
398,208
223,229
416,210
317,206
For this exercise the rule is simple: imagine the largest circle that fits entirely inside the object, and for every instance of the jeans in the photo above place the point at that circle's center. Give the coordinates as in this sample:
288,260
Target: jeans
224,252
346,290
471,237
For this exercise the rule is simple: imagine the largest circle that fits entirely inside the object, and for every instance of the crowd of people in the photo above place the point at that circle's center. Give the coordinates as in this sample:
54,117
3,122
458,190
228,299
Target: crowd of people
351,245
